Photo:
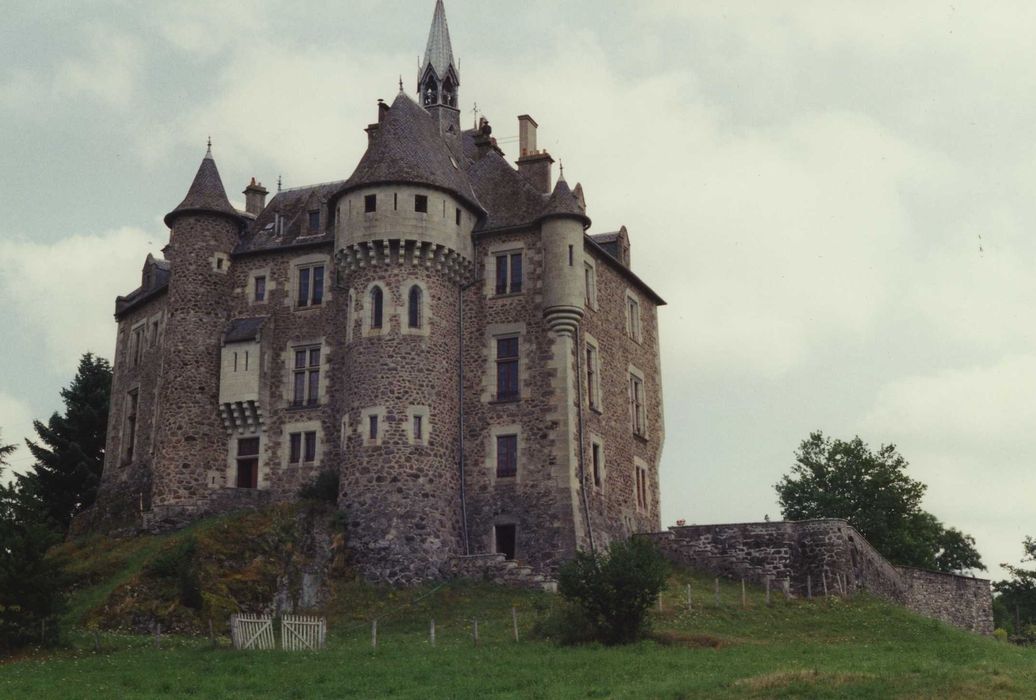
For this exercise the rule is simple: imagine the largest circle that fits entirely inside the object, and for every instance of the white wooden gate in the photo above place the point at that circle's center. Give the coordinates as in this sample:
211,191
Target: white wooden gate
302,633
251,632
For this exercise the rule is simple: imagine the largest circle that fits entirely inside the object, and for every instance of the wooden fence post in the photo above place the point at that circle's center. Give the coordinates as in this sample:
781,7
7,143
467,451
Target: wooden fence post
767,591
474,630
97,642
823,576
374,634
717,592
431,633
744,595
688,596
212,633
158,635
514,619
809,586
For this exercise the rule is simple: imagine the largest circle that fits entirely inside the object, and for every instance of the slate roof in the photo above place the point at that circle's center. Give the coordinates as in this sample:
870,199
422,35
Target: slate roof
439,52
509,198
243,330
154,282
564,203
293,207
409,148
206,194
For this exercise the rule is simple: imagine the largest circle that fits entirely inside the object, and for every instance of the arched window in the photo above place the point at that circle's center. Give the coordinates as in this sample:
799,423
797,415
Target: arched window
414,307
377,304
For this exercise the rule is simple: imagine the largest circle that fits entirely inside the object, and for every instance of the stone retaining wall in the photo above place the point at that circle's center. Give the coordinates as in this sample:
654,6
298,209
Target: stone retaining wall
817,554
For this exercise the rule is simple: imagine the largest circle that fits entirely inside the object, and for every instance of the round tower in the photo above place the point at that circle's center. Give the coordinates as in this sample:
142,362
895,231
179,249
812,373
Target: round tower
191,444
403,236
563,224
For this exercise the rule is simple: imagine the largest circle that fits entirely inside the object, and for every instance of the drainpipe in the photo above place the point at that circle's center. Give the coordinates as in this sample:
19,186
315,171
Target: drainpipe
582,454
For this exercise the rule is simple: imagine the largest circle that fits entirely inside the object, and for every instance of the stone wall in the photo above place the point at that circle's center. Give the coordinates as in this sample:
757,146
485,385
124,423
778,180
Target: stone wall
819,555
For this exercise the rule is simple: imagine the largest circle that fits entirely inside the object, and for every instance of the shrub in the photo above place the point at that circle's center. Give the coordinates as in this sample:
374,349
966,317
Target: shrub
178,565
323,488
566,624
614,589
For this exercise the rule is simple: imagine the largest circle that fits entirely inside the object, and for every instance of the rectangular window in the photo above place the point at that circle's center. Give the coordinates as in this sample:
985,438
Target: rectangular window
306,377
295,448
590,279
642,487
310,444
507,369
418,428
154,334
372,427
632,318
595,456
314,221
311,286
248,463
421,203
506,456
130,434
370,203
138,345
458,216
259,290
638,413
509,273
593,377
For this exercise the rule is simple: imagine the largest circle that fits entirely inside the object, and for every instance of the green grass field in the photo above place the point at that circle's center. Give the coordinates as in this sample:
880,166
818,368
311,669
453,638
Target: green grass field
825,648
793,648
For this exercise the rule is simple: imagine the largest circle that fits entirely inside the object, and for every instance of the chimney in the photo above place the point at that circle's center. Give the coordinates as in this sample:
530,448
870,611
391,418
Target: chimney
532,163
383,109
255,197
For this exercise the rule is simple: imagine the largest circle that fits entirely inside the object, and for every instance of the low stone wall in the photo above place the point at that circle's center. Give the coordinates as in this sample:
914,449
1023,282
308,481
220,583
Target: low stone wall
825,555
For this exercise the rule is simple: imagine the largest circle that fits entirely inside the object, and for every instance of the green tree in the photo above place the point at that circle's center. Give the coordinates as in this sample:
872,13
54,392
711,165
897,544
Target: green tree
30,583
870,489
1014,608
615,588
70,452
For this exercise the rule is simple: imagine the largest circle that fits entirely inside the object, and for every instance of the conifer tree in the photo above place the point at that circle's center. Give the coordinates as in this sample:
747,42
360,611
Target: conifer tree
70,453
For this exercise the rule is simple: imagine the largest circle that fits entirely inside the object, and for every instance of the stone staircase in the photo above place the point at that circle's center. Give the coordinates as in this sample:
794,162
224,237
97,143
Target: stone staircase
497,569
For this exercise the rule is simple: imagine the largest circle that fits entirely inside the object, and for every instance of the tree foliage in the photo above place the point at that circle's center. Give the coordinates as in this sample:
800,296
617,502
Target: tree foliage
30,583
1014,608
870,489
614,589
70,452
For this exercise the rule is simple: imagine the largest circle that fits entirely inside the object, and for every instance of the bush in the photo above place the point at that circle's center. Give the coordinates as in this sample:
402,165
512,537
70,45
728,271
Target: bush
614,589
566,624
323,488
178,564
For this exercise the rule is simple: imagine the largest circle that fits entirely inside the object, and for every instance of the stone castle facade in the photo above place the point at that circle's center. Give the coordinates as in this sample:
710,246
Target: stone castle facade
439,329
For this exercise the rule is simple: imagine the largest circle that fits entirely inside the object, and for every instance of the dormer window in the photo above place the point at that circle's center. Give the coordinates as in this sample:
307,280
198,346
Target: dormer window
314,221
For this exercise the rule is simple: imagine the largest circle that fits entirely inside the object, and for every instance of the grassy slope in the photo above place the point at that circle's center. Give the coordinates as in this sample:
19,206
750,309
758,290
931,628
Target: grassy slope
859,648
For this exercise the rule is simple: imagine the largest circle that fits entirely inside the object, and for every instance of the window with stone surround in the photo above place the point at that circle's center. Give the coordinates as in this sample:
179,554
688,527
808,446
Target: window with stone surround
305,376
414,303
377,308
638,408
593,375
632,317
590,285
302,447
597,462
507,375
373,425
129,432
314,221
310,285
153,335
247,476
509,273
421,203
506,456
137,348
640,477
259,289
418,427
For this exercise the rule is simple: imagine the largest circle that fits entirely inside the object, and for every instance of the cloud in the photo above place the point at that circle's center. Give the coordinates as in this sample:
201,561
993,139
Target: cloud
63,293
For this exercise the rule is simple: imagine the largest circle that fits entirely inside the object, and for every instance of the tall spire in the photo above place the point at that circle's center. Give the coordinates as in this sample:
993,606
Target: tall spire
206,194
439,78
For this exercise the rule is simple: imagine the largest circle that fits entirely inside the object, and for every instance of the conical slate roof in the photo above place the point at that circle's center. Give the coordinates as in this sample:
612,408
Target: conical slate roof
563,202
206,194
409,148
439,53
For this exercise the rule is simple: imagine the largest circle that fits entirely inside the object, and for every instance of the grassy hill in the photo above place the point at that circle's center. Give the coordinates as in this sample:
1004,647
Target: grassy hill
822,648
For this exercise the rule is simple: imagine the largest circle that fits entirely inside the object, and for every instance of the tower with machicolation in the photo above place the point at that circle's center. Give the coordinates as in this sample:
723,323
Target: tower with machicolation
439,329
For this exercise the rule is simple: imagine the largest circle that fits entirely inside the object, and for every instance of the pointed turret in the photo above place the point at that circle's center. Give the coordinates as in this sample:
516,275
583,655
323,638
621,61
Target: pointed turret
206,195
564,203
439,79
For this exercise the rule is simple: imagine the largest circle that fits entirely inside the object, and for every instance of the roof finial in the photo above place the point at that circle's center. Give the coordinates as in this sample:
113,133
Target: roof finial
208,150
562,166
278,183
400,84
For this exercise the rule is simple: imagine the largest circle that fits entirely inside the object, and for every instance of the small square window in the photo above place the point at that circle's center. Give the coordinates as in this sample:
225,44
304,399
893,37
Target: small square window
370,203
421,203
314,221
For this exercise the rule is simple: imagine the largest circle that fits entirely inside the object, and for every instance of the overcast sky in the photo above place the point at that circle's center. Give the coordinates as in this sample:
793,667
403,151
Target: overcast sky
836,199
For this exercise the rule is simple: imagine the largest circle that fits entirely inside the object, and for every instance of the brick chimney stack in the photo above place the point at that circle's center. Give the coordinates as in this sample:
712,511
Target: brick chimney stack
534,164
255,197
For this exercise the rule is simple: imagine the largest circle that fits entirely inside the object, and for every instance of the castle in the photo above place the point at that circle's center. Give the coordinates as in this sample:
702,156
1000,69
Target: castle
438,329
